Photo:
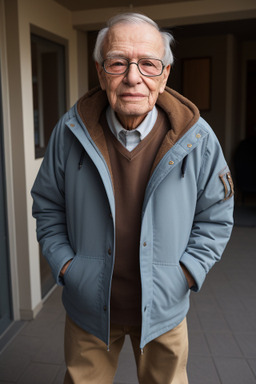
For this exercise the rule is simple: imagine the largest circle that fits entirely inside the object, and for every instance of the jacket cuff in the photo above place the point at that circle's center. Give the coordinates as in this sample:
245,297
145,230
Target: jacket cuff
195,269
57,260
59,278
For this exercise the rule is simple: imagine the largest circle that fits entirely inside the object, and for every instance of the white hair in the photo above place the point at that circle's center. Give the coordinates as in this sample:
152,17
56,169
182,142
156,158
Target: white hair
133,18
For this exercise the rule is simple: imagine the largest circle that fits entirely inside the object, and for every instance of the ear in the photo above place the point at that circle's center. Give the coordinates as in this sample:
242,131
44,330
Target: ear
165,75
101,75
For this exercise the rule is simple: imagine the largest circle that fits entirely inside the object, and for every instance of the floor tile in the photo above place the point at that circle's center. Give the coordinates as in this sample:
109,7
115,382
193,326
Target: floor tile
126,371
223,344
213,322
50,353
10,334
197,344
247,343
6,382
230,303
234,371
193,321
43,324
59,378
13,368
37,373
221,323
249,301
252,364
201,370
241,321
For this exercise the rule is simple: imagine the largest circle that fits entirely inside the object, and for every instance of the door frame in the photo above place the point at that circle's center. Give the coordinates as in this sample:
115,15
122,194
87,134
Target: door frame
9,188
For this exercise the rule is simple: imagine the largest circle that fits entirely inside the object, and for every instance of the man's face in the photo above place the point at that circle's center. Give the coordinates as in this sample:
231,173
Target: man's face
132,95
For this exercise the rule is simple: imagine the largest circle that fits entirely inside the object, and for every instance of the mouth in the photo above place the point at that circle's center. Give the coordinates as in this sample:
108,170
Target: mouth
132,96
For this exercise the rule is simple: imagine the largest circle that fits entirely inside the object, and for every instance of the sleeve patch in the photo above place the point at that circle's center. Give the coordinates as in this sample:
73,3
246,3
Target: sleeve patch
228,185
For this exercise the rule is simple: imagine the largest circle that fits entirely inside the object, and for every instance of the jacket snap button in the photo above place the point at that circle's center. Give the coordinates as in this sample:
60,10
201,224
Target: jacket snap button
72,125
189,145
144,244
171,162
198,135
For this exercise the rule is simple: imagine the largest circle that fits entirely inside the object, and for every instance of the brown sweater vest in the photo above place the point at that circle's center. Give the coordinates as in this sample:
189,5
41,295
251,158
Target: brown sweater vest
131,172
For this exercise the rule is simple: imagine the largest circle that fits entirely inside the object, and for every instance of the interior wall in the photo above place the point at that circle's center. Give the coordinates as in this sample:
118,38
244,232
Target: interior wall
17,148
8,161
82,48
213,47
56,20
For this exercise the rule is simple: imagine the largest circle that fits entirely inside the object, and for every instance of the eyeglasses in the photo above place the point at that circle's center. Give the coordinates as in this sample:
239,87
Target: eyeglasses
147,66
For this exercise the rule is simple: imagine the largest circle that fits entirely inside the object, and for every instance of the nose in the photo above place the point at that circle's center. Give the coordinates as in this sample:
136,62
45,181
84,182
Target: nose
133,75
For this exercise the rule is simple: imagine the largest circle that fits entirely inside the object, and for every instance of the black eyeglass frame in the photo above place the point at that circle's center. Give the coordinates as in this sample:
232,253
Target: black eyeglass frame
133,62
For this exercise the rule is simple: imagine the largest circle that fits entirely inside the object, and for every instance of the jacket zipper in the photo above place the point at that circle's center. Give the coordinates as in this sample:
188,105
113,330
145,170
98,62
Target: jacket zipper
113,259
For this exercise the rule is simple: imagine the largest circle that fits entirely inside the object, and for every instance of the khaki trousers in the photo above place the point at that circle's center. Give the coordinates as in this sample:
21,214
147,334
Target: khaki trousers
163,361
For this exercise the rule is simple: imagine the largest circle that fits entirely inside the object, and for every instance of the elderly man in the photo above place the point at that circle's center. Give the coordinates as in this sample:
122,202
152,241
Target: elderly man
134,205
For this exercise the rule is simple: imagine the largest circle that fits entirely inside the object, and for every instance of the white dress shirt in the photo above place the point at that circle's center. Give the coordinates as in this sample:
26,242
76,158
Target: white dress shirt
130,139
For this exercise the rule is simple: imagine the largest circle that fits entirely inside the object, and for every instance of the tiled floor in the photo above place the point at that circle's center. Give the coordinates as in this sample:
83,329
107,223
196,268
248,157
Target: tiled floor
222,329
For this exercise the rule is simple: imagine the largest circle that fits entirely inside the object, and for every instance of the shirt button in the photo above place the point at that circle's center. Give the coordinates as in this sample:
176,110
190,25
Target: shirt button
144,244
109,251
105,308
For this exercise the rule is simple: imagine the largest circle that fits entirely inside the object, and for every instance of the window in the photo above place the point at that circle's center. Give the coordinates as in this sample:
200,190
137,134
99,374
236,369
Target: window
49,88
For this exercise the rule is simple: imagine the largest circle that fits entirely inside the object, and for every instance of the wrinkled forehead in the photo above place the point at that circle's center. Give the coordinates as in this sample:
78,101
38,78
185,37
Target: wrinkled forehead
130,39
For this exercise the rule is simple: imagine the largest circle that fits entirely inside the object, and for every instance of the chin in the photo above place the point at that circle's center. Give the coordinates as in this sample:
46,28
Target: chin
135,111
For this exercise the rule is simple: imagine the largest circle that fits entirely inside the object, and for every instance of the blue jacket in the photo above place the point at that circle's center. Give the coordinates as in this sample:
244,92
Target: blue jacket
187,215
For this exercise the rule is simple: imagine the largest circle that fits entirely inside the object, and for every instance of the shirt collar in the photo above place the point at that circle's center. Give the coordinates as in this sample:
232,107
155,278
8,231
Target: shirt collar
144,128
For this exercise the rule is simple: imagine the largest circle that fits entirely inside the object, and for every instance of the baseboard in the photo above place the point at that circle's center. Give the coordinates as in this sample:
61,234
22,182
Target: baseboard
30,314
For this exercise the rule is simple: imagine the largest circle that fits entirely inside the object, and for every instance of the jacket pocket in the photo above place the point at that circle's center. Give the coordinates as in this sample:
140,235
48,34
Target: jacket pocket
170,289
83,284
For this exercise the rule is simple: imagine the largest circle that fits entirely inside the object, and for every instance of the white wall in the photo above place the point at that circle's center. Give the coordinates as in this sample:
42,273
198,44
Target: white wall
8,159
48,16
54,19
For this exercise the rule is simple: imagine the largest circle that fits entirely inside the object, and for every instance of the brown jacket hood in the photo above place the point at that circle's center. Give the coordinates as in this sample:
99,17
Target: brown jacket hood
182,115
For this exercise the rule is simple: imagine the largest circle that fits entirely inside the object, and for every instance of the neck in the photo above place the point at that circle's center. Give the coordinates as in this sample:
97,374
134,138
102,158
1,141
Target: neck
130,122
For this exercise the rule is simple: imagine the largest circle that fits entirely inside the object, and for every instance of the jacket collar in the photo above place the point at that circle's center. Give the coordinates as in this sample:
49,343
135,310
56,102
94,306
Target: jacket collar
182,114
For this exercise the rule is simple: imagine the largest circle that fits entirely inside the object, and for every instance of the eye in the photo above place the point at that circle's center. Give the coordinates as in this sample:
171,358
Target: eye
116,63
147,63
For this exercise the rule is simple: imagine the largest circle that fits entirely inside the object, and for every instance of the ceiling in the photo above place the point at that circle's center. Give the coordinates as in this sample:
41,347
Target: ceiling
81,5
243,28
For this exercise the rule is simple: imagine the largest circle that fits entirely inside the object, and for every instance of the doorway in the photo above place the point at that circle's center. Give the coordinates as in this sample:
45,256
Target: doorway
251,99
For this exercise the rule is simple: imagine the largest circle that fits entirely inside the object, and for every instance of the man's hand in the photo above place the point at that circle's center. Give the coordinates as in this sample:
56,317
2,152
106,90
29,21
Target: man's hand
190,279
63,270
